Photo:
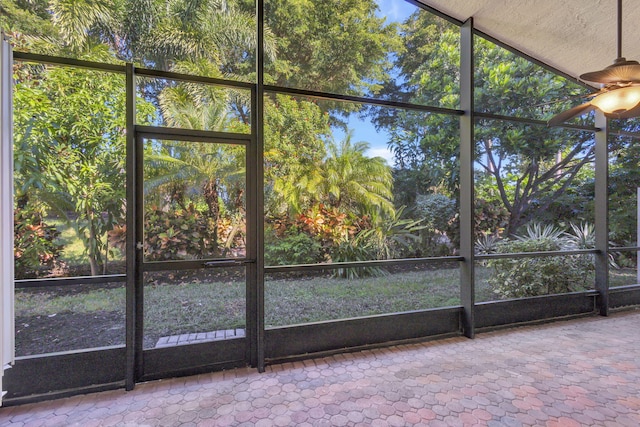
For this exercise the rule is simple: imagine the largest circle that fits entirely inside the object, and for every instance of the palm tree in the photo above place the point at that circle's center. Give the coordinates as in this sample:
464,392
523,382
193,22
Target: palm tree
346,179
204,171
354,182
196,106
159,33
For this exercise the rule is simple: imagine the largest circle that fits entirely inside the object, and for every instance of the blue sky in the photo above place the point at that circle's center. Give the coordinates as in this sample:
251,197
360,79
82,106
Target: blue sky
393,11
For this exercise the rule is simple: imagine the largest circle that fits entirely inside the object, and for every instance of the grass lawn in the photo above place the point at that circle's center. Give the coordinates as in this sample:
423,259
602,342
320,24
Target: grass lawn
622,277
193,305
190,302
311,299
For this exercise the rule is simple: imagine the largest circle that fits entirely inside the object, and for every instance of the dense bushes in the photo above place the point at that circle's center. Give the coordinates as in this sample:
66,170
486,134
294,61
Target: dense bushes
545,275
292,247
176,235
34,241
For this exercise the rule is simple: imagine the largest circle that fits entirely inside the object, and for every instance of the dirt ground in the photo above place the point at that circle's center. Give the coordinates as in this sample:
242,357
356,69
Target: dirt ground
68,331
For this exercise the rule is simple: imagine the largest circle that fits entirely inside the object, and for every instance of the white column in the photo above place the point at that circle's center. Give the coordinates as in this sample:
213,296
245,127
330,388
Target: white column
7,338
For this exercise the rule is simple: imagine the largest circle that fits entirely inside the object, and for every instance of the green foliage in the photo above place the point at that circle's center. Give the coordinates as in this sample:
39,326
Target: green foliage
393,237
538,232
329,225
490,217
582,236
490,214
295,134
624,181
337,46
543,275
437,213
28,17
530,166
182,234
353,182
34,241
345,179
70,125
179,173
486,244
350,251
69,143
292,247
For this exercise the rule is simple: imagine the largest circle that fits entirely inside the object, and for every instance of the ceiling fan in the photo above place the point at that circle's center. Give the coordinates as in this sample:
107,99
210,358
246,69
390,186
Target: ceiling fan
619,97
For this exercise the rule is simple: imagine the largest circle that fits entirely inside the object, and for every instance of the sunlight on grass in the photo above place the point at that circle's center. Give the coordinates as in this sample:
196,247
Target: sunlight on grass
73,251
47,303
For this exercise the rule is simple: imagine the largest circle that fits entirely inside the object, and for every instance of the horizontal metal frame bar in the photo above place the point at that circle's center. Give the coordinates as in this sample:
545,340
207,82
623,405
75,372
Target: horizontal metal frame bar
623,249
69,62
625,288
197,264
69,281
356,264
490,116
516,255
139,71
193,264
634,135
192,78
192,135
361,100
46,59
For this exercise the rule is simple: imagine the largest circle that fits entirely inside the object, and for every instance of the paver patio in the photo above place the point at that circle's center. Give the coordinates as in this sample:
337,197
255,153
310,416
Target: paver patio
580,372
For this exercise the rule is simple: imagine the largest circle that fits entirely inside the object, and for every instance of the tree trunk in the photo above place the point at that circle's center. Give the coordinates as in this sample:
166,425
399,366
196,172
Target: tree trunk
93,262
211,196
92,245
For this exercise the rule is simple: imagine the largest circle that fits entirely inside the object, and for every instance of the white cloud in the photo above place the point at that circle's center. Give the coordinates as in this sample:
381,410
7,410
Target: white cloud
394,11
381,152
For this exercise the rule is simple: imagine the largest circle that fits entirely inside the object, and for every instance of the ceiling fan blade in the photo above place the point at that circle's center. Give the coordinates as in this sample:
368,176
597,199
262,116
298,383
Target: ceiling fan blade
634,112
558,119
569,98
625,73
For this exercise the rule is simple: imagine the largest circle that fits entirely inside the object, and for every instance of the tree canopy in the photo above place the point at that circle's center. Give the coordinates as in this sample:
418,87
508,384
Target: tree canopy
70,123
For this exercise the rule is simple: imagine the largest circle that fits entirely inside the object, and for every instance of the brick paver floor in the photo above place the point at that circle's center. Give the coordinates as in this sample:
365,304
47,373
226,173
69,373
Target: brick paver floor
570,373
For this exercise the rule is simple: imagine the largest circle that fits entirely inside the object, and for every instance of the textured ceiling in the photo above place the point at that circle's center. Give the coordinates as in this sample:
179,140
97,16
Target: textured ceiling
573,36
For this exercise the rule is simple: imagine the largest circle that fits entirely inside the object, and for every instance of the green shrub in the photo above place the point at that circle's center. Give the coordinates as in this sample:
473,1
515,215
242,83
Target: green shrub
34,241
181,234
293,247
490,217
527,277
351,251
438,232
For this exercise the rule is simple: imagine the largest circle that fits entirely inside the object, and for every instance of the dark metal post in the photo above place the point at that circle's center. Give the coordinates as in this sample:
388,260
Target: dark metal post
257,109
602,212
130,326
467,267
